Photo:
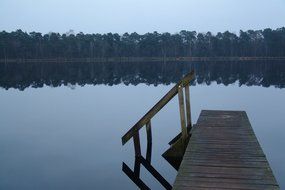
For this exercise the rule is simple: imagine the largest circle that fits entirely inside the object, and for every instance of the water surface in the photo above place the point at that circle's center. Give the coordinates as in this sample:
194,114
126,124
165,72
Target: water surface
61,125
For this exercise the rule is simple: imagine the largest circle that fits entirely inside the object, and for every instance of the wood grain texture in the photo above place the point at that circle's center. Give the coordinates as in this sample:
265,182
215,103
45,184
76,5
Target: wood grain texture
188,106
182,113
224,153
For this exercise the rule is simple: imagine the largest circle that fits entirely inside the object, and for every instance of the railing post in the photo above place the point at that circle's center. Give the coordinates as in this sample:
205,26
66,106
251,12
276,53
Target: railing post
137,144
188,106
149,141
182,113
157,107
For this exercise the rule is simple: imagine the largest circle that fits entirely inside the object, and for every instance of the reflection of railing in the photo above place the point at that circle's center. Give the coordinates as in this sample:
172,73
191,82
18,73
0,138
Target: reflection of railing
146,119
179,141
135,175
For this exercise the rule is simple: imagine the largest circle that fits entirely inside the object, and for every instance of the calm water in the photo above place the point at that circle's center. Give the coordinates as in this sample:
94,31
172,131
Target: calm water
61,124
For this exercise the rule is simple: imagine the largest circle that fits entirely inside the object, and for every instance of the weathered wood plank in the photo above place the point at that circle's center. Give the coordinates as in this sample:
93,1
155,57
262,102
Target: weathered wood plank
188,106
184,132
225,185
224,153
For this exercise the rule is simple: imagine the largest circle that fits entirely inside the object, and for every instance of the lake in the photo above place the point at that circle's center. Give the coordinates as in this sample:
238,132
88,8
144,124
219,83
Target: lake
61,123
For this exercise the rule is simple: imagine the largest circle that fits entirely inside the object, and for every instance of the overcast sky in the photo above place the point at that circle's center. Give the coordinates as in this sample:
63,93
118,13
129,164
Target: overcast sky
101,16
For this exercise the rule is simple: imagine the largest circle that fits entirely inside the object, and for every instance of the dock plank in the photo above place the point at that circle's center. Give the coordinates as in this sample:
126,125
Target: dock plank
224,153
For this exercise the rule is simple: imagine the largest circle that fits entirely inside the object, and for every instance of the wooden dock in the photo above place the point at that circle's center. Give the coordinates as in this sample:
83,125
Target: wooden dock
223,153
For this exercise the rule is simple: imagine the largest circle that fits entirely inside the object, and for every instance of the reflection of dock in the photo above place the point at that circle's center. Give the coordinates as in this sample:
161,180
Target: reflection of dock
219,152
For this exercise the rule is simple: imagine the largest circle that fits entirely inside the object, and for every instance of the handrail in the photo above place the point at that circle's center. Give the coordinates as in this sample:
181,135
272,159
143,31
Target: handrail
184,82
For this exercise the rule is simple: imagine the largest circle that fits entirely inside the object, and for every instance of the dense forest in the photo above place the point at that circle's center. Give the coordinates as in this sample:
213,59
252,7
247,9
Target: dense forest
251,43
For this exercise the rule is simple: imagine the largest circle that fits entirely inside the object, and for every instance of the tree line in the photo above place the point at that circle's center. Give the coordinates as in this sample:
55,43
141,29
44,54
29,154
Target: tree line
251,43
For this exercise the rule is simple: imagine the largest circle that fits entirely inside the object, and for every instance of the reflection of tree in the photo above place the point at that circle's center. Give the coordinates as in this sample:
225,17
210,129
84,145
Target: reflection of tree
23,75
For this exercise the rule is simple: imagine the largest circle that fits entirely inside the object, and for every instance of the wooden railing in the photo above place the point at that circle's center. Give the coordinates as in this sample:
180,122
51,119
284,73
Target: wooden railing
146,119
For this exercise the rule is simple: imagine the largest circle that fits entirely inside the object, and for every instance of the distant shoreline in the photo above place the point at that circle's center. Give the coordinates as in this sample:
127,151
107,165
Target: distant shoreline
141,59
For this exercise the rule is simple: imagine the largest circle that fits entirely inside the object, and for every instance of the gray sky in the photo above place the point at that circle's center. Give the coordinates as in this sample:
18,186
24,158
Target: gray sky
101,16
